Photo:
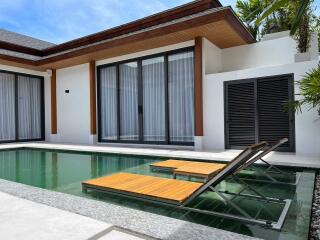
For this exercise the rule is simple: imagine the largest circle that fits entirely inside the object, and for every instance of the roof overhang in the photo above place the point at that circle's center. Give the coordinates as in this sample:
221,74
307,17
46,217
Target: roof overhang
220,25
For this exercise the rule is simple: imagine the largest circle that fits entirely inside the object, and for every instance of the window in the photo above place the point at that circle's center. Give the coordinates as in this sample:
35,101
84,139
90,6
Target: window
254,110
21,107
148,100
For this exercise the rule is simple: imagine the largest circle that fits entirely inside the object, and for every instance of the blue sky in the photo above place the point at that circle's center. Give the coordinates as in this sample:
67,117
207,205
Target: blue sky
58,21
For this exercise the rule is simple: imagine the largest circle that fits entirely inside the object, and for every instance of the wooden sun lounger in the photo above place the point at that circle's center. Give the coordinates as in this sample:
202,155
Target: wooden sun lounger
175,191
207,170
180,194
169,165
188,168
200,170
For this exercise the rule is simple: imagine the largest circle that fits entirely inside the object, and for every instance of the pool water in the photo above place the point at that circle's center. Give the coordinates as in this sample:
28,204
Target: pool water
63,171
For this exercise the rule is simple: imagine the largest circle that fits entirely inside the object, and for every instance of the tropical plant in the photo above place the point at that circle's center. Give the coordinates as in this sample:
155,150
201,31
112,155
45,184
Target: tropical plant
302,9
309,92
315,27
250,10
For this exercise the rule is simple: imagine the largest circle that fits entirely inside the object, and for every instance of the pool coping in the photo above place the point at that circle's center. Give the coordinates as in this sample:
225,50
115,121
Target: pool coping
276,158
145,223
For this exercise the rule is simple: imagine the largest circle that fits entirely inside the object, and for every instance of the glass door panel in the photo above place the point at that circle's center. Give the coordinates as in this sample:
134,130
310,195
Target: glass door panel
128,90
154,99
108,95
181,97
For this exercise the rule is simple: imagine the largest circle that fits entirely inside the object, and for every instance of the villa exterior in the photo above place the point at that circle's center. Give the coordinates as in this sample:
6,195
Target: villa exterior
191,76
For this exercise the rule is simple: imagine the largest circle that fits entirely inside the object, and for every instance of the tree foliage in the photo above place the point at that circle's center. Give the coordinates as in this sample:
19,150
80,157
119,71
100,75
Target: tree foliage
250,10
309,92
302,7
268,16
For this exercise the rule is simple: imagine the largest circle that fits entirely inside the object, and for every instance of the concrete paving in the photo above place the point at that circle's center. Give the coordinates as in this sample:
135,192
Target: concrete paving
117,235
23,219
137,223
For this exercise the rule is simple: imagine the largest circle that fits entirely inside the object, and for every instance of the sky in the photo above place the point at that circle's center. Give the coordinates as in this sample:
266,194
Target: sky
59,21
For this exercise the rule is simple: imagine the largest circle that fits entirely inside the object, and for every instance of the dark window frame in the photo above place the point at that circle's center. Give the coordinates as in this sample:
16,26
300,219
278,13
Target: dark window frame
290,76
42,107
140,98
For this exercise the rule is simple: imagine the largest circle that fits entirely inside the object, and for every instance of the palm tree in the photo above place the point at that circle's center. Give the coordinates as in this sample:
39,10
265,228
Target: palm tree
302,9
309,92
250,10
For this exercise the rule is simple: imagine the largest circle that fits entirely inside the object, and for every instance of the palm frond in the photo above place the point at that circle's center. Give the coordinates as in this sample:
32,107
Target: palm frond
274,6
303,8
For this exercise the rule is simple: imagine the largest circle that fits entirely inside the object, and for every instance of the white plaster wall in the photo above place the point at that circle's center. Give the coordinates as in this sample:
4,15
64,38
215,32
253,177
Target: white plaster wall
73,109
146,53
262,54
307,126
212,57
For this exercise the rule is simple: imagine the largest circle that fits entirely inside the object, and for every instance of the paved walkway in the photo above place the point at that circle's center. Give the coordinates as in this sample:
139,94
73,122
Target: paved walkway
23,219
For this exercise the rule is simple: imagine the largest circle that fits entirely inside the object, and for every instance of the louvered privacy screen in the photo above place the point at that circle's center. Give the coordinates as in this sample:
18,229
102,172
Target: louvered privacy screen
148,100
21,107
254,111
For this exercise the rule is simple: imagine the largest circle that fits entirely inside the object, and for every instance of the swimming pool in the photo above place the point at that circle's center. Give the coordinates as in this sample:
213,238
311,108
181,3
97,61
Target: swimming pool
63,171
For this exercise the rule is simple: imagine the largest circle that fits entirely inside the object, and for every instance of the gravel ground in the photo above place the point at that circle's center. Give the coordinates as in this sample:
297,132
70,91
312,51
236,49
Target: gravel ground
315,221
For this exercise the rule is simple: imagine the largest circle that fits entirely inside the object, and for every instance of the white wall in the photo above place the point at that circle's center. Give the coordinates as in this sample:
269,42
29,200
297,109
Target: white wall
262,54
307,124
212,57
73,108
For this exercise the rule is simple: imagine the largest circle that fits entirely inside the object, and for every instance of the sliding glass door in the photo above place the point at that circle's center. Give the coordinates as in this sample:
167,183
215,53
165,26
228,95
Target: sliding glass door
7,107
148,100
21,107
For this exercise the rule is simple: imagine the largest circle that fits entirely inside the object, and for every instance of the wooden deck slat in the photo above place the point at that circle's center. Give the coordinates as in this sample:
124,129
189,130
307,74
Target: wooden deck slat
171,163
163,188
190,168
199,169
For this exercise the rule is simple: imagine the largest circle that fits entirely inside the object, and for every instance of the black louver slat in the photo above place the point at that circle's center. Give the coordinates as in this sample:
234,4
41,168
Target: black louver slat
255,112
274,122
241,110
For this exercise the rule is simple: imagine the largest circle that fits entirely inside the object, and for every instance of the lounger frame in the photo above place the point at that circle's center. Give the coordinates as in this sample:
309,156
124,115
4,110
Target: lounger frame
244,216
271,168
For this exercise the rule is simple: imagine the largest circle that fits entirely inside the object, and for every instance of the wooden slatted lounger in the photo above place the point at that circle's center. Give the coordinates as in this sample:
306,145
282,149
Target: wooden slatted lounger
207,170
175,191
180,194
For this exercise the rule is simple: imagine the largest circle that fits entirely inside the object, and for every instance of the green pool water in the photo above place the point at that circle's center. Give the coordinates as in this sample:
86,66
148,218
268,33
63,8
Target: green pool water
63,171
